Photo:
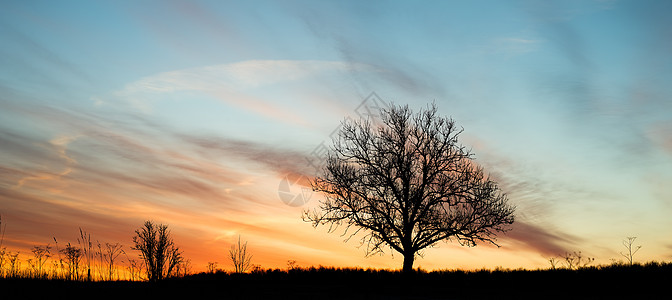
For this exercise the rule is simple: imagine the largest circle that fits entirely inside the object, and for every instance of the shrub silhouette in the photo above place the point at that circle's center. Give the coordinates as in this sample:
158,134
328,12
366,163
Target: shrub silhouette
73,256
158,251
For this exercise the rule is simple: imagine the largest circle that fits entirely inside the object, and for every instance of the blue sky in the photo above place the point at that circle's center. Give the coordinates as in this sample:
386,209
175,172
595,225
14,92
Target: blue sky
192,112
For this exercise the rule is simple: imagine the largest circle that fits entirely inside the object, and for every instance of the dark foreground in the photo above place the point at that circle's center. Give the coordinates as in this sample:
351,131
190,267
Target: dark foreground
653,281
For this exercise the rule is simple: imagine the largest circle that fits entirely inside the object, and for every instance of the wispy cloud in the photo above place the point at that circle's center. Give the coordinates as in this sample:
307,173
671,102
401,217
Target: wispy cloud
515,45
239,84
59,145
660,134
272,158
537,239
108,170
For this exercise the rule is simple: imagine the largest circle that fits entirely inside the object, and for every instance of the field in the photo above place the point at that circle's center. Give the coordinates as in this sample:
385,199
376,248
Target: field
650,281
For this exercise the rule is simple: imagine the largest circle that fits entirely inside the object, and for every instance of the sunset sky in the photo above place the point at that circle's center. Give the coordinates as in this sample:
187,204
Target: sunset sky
194,113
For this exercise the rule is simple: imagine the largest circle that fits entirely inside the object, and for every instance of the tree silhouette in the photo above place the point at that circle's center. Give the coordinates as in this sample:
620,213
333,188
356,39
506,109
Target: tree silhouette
73,256
157,250
408,184
240,258
576,260
628,244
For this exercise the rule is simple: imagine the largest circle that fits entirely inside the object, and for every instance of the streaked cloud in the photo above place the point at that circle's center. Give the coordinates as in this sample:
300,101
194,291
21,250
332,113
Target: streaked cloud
536,239
237,84
660,135
515,45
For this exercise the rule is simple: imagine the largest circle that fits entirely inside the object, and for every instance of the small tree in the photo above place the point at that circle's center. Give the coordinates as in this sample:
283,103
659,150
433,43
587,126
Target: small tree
554,262
183,268
240,258
630,250
73,256
157,250
407,183
212,267
292,265
576,260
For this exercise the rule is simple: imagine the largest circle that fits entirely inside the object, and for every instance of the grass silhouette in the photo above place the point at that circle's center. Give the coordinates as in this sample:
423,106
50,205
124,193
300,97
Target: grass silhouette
616,281
576,280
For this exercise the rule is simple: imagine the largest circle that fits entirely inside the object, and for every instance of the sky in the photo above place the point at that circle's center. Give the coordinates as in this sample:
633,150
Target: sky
208,116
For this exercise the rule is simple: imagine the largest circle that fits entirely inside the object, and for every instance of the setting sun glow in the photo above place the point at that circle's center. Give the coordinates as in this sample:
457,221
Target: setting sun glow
212,117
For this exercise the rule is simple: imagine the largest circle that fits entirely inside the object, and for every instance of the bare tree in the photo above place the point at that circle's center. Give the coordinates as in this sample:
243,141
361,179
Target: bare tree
73,256
628,244
183,268
576,260
212,267
157,250
408,184
554,262
240,258
292,265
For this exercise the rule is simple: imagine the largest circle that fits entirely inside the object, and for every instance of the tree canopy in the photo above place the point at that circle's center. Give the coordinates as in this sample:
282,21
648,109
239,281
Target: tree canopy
407,183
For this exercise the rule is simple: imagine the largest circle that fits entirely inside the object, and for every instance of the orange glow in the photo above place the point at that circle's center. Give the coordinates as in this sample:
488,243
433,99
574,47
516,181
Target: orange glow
207,227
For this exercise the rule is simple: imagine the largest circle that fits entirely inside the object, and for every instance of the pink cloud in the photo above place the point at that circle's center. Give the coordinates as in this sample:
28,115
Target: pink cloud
660,135
536,238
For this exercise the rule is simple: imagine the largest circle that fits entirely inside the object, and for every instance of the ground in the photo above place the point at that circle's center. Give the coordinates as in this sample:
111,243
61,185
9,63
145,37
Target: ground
640,282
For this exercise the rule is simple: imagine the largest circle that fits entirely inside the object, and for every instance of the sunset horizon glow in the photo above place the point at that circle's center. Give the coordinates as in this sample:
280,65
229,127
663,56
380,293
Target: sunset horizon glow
212,116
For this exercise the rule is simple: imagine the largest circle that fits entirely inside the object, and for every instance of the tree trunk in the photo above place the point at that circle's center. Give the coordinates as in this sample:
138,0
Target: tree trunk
408,262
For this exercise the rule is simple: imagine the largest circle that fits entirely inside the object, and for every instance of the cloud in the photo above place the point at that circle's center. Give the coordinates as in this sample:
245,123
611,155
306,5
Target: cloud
355,41
34,66
242,75
544,241
515,45
238,84
59,145
107,170
34,217
273,158
660,135
129,151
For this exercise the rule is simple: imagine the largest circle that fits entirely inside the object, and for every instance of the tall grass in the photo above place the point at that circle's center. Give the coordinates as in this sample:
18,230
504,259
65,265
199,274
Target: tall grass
71,262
